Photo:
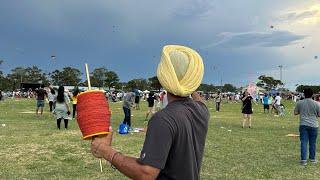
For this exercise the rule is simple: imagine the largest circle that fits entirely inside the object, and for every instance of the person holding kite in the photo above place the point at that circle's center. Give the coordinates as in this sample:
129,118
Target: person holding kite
175,138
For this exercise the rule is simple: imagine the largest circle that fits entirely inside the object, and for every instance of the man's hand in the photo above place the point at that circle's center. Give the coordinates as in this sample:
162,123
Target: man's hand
101,144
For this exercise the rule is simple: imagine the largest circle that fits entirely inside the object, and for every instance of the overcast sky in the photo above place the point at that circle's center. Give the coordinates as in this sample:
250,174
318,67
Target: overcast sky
235,38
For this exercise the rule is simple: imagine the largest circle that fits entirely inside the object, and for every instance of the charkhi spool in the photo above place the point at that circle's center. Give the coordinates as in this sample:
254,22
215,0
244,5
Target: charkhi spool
93,114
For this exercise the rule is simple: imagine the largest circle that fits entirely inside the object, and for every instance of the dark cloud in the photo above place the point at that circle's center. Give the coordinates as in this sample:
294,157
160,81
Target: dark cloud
256,39
193,9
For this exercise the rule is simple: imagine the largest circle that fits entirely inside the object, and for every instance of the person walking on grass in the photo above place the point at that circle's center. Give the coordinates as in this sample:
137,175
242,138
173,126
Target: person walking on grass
52,97
265,101
74,99
41,95
246,108
137,99
277,103
309,111
218,100
62,110
151,107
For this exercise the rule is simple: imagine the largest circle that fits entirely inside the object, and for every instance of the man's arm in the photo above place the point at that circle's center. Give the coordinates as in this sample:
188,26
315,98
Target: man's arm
244,98
129,165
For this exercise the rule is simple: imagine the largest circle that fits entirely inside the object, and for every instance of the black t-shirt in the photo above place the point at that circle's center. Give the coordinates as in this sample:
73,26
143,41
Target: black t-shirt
175,140
247,103
41,93
151,101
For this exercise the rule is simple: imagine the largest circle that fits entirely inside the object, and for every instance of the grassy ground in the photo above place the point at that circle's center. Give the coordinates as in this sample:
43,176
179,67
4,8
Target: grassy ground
32,148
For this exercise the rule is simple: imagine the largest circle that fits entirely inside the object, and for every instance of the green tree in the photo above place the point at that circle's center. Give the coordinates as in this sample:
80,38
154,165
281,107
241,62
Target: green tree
154,83
140,83
17,74
67,77
268,83
98,77
5,83
207,88
111,79
56,77
35,75
315,89
229,88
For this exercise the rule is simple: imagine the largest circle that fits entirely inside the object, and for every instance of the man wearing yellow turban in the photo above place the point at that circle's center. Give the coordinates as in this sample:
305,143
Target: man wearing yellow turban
181,70
175,139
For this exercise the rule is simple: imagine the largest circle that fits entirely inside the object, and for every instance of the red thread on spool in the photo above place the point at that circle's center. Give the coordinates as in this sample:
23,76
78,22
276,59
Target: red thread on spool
93,114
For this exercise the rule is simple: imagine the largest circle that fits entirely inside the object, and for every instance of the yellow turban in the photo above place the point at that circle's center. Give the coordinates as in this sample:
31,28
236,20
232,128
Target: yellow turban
180,70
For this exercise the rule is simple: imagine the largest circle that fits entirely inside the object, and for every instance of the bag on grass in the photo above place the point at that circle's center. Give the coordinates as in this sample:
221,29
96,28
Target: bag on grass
123,129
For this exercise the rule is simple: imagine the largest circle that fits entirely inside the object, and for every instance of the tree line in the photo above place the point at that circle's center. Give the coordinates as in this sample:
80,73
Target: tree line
99,77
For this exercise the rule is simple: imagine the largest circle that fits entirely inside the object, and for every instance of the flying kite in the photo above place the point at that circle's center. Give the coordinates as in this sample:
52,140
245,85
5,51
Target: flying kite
271,26
53,57
316,57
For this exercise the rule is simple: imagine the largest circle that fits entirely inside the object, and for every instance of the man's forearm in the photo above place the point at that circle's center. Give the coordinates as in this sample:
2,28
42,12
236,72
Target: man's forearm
127,165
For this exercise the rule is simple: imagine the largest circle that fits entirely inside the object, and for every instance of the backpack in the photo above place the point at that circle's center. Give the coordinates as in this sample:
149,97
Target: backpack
123,129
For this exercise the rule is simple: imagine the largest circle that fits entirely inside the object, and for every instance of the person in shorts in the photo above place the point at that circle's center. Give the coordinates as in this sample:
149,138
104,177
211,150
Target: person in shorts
265,101
41,95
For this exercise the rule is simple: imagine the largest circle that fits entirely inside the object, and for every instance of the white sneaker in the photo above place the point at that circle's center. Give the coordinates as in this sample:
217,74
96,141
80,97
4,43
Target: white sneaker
313,161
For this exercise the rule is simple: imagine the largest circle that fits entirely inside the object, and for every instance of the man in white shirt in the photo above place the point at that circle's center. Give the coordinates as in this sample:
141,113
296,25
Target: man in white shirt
277,102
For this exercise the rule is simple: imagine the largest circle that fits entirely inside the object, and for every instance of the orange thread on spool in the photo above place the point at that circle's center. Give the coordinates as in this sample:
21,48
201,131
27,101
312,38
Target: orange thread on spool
93,114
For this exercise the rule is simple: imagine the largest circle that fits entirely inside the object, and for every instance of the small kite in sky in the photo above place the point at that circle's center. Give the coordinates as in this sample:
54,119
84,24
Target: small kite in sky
53,57
271,26
316,57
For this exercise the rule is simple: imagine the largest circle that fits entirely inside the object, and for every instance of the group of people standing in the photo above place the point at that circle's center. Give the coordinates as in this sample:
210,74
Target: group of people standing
59,104
247,109
309,111
132,100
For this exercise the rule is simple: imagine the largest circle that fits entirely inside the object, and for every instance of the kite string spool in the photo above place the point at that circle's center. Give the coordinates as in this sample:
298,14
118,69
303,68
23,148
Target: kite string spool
93,114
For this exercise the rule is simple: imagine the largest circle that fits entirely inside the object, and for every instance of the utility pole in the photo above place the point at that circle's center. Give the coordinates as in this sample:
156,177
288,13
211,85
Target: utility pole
280,67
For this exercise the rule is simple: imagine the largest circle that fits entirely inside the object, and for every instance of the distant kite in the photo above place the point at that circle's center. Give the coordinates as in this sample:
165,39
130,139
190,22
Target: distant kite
271,26
303,47
53,57
316,57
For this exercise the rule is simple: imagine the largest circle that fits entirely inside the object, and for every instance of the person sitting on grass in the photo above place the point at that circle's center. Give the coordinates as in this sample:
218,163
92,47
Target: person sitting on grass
62,110
175,138
309,111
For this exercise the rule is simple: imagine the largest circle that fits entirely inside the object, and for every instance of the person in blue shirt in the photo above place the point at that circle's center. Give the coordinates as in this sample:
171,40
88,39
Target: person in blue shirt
265,101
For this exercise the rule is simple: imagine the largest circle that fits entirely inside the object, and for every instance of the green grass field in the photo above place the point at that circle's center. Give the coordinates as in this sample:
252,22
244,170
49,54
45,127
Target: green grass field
32,148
